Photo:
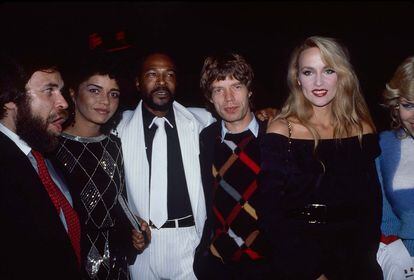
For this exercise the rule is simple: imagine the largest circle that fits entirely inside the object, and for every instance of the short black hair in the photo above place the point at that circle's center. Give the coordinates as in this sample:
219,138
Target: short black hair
140,61
13,79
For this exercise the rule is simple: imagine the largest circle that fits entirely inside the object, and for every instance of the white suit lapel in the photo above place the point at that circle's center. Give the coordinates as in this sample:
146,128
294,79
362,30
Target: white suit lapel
188,133
131,132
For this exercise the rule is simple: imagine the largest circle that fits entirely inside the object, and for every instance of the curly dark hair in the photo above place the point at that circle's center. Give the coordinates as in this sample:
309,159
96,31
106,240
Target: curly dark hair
218,67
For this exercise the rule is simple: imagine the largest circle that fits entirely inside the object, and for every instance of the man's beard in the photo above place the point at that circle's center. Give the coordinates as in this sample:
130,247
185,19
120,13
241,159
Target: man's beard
149,101
33,130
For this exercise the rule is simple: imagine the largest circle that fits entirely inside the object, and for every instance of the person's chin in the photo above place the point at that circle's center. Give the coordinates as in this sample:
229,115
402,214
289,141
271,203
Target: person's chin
228,117
162,102
162,105
54,131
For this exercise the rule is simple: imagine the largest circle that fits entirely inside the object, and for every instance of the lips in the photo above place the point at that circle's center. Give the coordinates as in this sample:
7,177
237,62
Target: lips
230,110
161,92
57,122
320,92
102,111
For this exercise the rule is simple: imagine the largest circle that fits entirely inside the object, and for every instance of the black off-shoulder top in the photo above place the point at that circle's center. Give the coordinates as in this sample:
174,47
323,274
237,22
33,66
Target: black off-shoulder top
339,174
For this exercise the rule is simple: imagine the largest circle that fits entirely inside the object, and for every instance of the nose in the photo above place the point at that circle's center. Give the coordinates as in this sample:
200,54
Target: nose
161,79
61,101
228,95
318,79
104,98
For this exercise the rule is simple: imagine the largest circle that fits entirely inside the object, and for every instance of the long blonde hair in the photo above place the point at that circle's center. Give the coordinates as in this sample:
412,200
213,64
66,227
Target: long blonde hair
349,108
401,85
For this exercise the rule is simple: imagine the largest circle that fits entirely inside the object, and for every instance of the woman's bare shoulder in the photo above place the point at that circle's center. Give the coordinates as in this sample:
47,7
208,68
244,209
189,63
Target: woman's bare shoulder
279,126
367,128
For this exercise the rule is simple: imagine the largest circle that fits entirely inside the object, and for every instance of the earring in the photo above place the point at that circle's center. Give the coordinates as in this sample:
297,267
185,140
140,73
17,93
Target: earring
72,116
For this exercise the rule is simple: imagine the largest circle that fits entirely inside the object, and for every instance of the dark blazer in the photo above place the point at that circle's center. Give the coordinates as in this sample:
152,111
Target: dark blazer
207,140
35,244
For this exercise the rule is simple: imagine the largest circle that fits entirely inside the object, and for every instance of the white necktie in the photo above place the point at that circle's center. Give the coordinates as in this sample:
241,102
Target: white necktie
158,188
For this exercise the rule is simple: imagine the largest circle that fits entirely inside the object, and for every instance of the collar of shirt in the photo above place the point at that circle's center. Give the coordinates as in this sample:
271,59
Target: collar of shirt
16,139
149,117
153,121
253,127
27,151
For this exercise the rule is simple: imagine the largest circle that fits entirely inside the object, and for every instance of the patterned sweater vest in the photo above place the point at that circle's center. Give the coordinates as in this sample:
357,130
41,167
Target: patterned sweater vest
235,169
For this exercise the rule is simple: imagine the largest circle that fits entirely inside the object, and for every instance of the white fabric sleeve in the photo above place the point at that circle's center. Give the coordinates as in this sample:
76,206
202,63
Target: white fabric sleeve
204,117
395,261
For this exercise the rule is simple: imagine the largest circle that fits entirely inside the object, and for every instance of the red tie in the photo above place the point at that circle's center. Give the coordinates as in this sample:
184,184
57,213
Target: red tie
60,202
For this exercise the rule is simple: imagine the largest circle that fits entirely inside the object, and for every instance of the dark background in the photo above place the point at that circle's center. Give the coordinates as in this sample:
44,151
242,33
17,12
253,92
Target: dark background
379,35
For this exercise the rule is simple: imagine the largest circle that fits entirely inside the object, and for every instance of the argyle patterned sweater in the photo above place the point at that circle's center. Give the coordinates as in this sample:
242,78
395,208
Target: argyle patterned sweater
233,165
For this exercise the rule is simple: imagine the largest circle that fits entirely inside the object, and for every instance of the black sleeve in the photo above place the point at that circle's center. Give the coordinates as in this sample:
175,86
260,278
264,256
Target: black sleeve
206,161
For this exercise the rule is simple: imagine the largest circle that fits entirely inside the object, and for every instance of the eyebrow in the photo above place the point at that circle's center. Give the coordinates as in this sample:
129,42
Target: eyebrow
101,87
233,84
314,68
50,85
156,69
95,85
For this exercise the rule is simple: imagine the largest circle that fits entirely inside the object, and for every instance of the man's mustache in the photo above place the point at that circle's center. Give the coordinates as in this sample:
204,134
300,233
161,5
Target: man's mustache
167,90
64,114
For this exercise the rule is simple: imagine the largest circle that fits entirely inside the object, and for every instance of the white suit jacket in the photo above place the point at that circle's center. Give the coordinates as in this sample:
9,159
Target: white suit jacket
131,132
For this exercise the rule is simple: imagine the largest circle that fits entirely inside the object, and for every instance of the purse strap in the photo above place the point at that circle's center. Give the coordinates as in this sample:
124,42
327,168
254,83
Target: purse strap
320,176
289,125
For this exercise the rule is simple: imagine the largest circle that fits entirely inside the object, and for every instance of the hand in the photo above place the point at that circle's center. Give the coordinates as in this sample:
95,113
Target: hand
145,228
322,277
266,114
140,241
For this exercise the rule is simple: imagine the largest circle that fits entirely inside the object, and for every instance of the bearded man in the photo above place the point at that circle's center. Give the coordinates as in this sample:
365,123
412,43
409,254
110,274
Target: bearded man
40,230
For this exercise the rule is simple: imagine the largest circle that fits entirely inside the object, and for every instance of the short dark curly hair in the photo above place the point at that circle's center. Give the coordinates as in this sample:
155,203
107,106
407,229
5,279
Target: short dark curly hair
219,66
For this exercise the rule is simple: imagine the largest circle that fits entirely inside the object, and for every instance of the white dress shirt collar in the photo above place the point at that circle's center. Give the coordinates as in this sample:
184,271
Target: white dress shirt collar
16,139
166,120
253,127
